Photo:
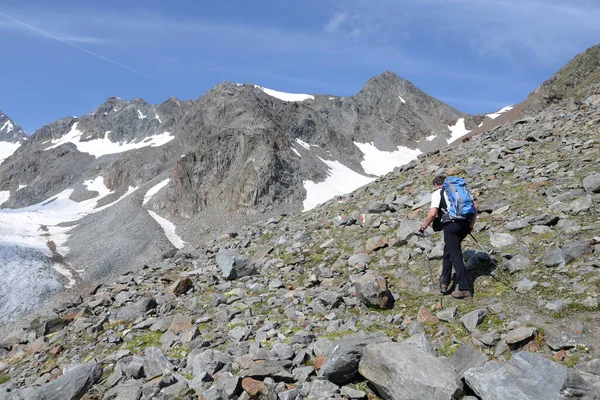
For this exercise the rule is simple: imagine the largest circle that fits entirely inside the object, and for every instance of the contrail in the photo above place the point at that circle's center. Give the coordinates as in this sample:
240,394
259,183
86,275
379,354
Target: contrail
66,42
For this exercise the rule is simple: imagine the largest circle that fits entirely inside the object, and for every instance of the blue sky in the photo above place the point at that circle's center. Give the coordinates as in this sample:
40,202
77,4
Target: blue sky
66,57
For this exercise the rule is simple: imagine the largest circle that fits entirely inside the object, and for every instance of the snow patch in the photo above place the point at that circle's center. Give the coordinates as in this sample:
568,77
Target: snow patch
457,130
4,196
296,151
8,126
499,112
155,189
158,118
21,187
140,115
285,96
303,144
7,149
101,147
377,162
169,229
401,99
66,273
430,138
341,180
28,274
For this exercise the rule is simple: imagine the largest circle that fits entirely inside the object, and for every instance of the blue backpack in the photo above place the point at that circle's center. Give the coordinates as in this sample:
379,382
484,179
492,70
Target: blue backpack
460,201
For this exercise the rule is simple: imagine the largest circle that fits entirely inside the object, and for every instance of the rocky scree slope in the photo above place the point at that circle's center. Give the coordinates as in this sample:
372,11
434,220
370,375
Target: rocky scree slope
338,303
231,157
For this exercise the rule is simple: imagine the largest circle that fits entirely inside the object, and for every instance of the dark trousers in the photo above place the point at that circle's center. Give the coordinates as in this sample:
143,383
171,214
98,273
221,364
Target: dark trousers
454,233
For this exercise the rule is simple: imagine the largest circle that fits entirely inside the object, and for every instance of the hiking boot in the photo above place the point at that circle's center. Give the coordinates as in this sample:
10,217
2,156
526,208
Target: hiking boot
462,294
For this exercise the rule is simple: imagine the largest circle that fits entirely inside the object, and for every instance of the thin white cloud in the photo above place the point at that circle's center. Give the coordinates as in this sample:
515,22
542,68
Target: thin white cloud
10,24
74,45
336,21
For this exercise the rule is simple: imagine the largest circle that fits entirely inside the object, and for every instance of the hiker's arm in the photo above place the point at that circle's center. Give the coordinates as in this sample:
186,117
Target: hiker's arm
430,217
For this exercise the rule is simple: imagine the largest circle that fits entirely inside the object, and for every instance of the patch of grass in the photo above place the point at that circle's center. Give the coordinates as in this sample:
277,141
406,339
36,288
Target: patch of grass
4,379
571,361
142,342
178,352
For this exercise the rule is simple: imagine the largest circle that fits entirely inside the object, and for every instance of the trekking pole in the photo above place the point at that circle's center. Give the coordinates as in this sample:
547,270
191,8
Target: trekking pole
428,262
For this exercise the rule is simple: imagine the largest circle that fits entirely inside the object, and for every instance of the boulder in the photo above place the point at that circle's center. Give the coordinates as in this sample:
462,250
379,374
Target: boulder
372,290
341,364
524,376
403,371
234,265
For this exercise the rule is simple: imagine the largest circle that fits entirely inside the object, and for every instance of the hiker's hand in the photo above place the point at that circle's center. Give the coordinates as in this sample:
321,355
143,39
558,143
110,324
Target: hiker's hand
421,229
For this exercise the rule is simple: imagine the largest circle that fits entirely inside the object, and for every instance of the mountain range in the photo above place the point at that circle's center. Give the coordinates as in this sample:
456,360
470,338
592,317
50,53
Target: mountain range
118,188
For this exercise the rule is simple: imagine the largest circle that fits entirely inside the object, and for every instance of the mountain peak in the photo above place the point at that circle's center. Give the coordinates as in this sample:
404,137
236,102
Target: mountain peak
9,130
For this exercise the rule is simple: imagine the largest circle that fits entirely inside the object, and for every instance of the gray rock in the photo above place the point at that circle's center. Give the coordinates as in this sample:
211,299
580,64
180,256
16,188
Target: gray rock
518,224
526,285
362,259
568,226
269,368
284,351
352,393
155,362
556,305
576,386
519,335
322,389
554,257
372,290
591,183
517,263
377,207
407,229
134,310
581,204
420,341
447,314
341,365
233,265
466,357
474,318
500,240
72,385
130,390
401,371
524,376
546,219
205,363
239,333
575,250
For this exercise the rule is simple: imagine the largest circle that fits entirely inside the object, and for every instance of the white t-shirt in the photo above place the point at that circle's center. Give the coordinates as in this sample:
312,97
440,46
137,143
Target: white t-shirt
436,198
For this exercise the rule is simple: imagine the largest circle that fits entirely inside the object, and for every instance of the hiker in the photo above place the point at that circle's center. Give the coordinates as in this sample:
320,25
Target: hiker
455,229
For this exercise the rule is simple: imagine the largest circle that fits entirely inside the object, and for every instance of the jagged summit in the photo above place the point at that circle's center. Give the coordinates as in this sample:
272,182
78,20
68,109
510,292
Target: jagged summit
9,130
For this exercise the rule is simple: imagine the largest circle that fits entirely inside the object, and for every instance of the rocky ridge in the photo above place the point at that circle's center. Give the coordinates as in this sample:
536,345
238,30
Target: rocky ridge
338,302
10,131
